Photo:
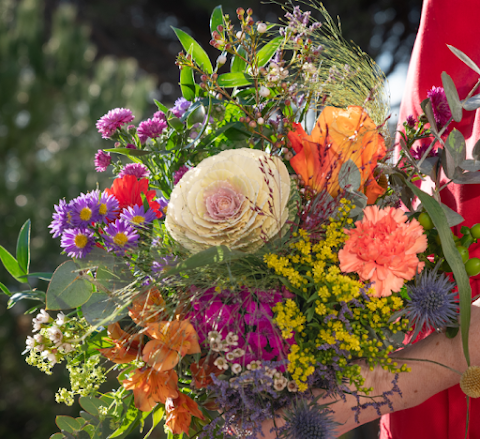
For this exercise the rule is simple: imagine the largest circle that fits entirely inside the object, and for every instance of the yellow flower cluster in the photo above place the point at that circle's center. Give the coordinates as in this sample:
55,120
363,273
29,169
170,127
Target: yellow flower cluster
289,318
300,365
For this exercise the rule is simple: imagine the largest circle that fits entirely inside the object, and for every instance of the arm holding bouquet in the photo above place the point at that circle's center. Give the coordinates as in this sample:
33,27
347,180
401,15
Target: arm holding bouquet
254,253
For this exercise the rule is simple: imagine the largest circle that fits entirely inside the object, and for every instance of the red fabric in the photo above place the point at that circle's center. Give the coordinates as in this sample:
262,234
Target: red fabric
456,23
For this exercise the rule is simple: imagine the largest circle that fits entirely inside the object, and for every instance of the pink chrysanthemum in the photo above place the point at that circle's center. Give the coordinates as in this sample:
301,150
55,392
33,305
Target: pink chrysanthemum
136,169
151,128
382,248
114,119
177,176
102,160
441,110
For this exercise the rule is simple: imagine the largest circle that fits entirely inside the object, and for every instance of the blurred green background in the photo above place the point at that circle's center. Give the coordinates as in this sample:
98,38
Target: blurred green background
63,64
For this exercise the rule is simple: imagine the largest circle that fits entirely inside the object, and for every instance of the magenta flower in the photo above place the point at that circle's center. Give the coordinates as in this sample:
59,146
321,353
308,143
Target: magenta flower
411,121
441,110
177,176
114,119
102,160
151,128
136,169
77,243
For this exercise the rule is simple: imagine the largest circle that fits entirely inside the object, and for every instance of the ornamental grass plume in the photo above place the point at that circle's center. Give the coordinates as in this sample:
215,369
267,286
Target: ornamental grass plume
470,382
382,248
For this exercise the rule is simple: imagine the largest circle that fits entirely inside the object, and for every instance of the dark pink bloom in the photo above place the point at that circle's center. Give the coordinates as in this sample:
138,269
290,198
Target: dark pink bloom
136,169
180,173
151,129
102,160
114,119
441,110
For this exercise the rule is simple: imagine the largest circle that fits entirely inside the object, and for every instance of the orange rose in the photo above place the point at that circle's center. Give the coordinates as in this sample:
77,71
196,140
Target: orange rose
338,136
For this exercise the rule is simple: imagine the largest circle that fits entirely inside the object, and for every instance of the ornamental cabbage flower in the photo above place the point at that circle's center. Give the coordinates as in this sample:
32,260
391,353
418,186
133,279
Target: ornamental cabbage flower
382,248
338,136
237,198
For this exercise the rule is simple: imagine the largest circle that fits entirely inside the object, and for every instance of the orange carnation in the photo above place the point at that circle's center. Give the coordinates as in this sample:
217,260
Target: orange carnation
382,248
338,136
180,412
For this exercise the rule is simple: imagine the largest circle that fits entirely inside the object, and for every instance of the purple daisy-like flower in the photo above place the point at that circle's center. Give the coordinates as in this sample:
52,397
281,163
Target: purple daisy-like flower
136,169
163,205
441,109
77,243
137,217
177,176
61,218
162,265
150,128
102,160
85,210
107,206
120,236
114,119
180,107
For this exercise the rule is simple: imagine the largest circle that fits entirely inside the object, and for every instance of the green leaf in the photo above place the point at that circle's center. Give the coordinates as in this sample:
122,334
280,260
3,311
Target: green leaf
468,178
470,165
160,106
67,423
472,104
238,64
129,152
217,20
451,331
57,436
427,108
26,295
187,83
212,255
459,54
266,52
5,289
453,218
82,435
42,276
349,175
476,151
11,264
23,247
157,416
452,97
235,79
190,46
455,144
91,405
453,258
102,309
67,288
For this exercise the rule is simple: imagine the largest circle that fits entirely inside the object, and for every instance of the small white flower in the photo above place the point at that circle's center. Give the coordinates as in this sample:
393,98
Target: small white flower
224,346
222,59
239,35
39,338
55,335
30,342
264,92
309,68
221,363
232,339
214,336
254,365
261,28
67,347
39,347
280,384
230,356
270,372
215,346
42,318
61,319
50,356
236,368
277,375
238,353
292,386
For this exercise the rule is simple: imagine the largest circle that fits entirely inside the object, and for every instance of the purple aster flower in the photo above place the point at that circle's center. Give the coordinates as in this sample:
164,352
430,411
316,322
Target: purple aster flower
102,160
162,265
441,110
137,217
85,210
61,218
114,119
77,243
306,420
163,202
151,128
180,107
107,207
177,176
120,236
136,169
432,303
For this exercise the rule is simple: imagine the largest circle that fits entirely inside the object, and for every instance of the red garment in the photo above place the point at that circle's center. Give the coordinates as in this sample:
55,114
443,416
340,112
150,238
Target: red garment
456,23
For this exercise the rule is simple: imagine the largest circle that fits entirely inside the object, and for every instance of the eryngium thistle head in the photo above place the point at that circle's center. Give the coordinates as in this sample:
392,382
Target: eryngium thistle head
470,382
308,421
432,303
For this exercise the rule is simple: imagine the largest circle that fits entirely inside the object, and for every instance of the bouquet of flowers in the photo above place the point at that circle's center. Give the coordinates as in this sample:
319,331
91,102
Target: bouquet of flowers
258,241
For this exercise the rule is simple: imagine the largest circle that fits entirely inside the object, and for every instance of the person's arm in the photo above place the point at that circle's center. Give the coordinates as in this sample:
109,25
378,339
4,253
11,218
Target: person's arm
425,379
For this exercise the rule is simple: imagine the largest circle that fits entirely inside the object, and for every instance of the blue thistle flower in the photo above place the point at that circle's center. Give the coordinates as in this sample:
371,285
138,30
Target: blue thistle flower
432,303
308,421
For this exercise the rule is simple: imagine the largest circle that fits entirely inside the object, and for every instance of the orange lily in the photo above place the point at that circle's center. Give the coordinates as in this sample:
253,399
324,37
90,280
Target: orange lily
148,307
338,136
151,387
202,371
171,340
180,412
127,347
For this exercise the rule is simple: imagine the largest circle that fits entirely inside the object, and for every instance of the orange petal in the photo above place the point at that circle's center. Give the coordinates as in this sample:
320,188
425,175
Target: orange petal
160,356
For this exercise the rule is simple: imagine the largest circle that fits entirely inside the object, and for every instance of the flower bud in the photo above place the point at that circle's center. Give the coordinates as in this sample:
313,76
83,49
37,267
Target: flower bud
222,59
240,11
264,92
261,28
260,120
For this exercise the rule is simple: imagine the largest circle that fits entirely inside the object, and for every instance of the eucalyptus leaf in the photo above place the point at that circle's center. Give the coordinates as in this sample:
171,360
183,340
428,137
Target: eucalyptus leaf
452,97
91,405
453,218
476,150
266,52
468,178
448,163
470,165
26,295
187,83
199,56
129,151
349,177
67,289
453,258
472,103
238,64
102,309
427,108
428,165
23,247
216,20
459,54
67,423
456,145
57,436
233,79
